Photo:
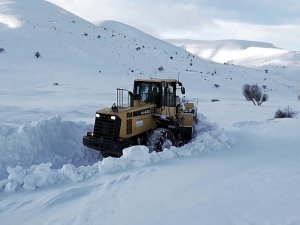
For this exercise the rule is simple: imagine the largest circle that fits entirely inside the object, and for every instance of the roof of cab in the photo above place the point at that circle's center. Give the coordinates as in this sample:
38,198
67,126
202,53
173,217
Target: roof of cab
156,80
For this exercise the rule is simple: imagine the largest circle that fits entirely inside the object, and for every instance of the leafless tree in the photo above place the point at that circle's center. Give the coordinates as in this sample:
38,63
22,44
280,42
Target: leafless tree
254,93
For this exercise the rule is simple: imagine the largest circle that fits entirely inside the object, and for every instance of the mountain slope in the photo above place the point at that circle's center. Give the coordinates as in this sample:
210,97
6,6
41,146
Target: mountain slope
251,54
247,53
82,58
74,52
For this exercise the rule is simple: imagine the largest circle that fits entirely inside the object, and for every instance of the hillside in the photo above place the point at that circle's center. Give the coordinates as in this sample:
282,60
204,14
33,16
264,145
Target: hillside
246,53
242,166
258,55
74,53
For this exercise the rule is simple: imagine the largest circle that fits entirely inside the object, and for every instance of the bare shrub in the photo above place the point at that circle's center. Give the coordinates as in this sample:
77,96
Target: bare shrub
37,55
161,68
286,113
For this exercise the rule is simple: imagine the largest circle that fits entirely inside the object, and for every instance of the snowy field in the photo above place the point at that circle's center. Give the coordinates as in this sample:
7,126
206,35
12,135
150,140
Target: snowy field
242,168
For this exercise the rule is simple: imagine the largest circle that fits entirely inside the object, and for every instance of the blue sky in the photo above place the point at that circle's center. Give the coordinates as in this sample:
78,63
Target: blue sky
273,21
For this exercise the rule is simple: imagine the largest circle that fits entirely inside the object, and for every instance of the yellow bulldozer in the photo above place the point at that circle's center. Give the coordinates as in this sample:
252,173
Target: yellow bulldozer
153,115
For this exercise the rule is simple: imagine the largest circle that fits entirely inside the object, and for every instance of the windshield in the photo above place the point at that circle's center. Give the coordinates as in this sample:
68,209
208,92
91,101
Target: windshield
147,90
161,94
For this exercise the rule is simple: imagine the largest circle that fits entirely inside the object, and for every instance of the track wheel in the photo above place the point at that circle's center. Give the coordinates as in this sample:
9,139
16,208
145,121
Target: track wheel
160,139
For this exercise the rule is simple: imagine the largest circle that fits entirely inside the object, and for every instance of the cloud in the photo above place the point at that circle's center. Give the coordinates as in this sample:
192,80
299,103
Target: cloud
150,16
255,11
183,13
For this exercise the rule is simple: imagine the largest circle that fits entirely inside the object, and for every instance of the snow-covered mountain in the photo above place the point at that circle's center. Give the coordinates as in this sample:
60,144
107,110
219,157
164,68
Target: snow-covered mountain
239,52
251,54
243,165
79,50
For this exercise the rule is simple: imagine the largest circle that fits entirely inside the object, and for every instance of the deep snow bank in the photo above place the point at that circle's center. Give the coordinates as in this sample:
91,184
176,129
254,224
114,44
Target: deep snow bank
209,138
50,140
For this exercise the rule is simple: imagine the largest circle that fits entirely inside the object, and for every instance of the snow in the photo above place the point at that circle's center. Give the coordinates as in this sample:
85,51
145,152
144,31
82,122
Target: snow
242,167
212,138
10,21
257,55
51,140
239,52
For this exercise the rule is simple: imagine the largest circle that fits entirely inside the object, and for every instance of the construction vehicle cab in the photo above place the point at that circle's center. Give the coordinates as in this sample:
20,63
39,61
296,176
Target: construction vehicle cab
153,114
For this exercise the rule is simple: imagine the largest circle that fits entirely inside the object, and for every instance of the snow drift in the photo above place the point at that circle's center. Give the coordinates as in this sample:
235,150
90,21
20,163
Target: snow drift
50,140
210,138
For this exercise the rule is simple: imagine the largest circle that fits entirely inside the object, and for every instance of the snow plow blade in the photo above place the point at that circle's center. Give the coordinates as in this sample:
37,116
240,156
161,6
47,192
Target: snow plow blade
111,148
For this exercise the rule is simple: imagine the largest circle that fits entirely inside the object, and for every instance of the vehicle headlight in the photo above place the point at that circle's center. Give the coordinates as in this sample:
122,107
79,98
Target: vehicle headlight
113,117
97,115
